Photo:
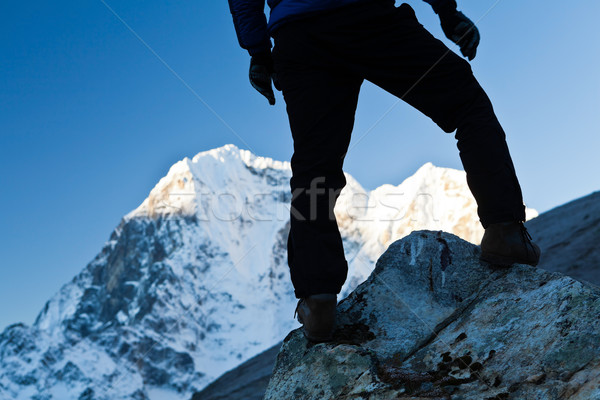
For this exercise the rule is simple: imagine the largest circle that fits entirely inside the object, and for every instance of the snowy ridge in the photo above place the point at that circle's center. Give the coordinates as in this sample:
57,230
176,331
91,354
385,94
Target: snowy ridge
208,173
195,280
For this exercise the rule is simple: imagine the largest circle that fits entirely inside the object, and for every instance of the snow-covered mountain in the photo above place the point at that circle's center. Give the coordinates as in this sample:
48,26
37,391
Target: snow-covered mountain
195,280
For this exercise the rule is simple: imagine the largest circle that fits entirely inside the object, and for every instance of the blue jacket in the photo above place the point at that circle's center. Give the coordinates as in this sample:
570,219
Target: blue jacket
251,25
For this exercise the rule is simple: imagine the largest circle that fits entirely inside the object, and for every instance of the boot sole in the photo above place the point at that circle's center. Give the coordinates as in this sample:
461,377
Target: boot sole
503,261
318,338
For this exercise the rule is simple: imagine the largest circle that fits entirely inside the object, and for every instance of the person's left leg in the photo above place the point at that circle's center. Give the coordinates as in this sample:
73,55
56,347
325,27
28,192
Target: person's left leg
321,101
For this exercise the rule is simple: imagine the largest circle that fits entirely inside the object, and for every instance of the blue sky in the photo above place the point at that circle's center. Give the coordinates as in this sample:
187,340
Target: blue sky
91,119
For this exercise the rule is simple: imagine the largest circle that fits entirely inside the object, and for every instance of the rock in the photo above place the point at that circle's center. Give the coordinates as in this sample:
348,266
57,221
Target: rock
432,322
247,381
569,237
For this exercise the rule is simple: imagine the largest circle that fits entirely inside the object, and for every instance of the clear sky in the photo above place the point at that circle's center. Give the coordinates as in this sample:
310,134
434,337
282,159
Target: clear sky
91,119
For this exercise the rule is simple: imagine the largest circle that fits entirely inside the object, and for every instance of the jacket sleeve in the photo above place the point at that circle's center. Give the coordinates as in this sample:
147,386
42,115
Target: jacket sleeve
250,25
439,5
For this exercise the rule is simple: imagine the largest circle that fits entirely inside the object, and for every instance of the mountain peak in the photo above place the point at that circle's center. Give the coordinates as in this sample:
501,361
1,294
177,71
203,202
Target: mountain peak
195,280
218,170
231,152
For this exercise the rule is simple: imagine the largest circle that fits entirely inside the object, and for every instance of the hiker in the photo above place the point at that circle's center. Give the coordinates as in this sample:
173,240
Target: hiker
323,50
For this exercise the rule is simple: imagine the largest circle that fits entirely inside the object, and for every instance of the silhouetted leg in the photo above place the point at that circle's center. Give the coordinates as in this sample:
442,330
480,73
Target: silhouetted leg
388,46
321,103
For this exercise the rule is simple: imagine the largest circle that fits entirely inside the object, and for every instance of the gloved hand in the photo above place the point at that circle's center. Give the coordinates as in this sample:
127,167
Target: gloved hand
461,30
261,74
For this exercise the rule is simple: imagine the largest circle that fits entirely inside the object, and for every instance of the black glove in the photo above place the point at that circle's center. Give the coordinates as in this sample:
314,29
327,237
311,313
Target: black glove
461,30
261,74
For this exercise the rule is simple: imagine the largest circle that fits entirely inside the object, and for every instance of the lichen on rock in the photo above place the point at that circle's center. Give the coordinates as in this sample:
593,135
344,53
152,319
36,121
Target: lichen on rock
433,322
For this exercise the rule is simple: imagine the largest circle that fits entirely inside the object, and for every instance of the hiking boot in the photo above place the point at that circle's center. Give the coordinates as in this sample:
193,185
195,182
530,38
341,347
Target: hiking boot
508,243
317,315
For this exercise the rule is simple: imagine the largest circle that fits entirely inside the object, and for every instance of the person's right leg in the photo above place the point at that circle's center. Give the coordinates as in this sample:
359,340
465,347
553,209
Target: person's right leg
389,47
404,59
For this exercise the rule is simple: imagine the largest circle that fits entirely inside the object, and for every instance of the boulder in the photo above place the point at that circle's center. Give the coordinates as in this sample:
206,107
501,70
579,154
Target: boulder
433,322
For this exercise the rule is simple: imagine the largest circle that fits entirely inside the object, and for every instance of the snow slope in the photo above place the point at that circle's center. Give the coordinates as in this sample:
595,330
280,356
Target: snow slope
195,280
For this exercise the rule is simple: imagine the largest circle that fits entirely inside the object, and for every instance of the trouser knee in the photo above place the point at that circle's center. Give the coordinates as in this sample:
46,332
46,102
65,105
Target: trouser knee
313,199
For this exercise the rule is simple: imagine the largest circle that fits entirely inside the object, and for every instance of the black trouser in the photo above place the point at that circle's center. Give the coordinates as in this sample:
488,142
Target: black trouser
321,62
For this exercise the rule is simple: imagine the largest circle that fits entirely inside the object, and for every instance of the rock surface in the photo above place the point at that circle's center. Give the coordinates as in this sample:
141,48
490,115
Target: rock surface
432,322
245,382
569,237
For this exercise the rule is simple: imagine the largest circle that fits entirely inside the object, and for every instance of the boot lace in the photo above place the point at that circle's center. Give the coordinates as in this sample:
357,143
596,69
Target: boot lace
527,239
297,307
525,233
